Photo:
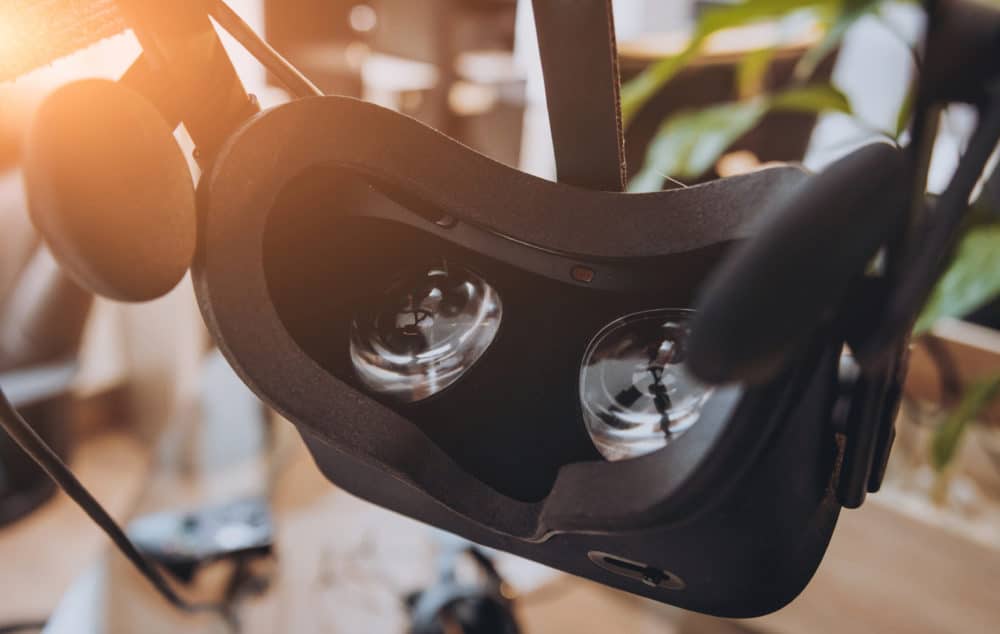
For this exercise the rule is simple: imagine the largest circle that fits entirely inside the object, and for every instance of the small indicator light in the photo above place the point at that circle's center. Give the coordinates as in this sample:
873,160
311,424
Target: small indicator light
582,274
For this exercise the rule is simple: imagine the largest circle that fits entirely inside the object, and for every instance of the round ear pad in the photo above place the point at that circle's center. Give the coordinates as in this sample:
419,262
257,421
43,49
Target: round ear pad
110,191
764,302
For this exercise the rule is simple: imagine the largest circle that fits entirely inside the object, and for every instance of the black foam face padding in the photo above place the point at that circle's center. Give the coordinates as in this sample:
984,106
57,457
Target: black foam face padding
423,169
769,297
110,190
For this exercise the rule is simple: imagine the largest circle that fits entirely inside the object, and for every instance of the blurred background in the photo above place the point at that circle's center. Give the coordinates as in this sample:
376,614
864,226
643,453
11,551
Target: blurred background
152,419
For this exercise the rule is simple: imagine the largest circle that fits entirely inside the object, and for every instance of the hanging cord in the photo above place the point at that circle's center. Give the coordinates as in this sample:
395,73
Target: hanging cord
287,74
34,446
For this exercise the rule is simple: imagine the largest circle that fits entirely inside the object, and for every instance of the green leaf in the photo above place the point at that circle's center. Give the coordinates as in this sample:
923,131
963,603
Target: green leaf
641,88
813,98
947,438
635,93
690,142
971,281
752,71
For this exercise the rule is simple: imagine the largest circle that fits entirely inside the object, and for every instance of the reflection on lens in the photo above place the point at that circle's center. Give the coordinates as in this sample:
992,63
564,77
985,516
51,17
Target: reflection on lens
428,330
636,394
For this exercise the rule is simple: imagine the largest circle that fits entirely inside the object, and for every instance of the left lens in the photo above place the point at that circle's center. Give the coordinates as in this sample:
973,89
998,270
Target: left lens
427,331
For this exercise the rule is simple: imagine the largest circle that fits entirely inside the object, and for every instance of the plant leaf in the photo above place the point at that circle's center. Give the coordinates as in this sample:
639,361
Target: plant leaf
690,142
906,110
752,71
947,438
635,93
813,98
971,281
641,88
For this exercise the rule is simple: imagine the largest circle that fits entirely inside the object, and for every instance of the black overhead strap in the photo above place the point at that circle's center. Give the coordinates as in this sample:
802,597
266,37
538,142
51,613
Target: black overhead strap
576,39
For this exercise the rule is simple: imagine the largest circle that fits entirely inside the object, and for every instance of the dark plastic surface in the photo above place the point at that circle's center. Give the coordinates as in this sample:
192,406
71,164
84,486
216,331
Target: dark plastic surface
763,306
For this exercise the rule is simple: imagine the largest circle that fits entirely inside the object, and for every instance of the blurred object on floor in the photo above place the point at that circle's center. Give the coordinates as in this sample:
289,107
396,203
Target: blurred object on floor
183,542
468,595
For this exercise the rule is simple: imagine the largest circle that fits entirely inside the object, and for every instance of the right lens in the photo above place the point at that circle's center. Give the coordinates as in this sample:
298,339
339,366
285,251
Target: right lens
636,394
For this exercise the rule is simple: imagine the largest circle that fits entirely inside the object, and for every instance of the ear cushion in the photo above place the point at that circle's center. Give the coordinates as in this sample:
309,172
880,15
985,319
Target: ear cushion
763,303
110,191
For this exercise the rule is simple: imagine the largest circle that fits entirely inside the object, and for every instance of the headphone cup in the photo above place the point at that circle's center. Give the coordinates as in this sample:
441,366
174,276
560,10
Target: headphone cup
110,190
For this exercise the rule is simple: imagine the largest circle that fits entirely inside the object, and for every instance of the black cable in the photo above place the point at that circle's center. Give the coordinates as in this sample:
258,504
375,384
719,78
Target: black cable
287,74
38,450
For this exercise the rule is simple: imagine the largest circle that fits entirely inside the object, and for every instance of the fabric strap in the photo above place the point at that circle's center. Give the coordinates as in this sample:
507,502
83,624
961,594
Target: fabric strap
576,40
36,32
